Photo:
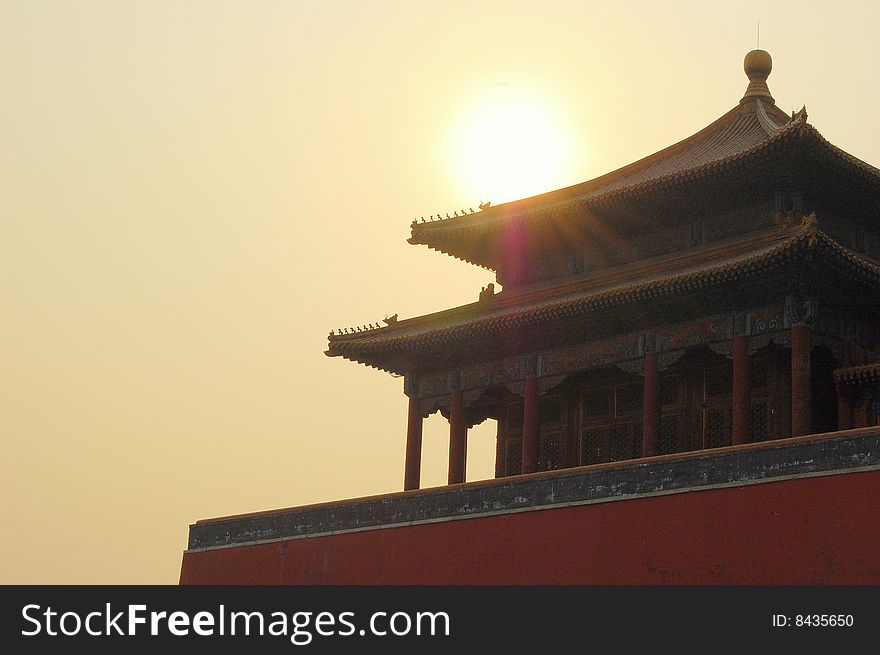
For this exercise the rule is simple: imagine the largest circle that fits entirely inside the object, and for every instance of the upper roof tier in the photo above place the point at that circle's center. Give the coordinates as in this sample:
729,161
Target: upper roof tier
753,134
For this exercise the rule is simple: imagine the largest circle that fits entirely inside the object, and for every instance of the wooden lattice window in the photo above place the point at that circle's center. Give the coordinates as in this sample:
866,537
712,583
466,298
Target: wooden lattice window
550,451
716,434
629,399
515,417
611,422
638,435
669,390
597,403
612,443
592,443
668,434
550,411
619,443
759,425
514,457
718,381
758,373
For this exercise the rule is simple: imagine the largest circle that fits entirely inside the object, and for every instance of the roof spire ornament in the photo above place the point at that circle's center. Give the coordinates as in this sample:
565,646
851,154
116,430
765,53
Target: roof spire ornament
757,66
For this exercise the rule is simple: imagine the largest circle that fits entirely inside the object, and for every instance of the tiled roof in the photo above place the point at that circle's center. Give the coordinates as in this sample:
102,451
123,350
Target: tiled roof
721,263
744,134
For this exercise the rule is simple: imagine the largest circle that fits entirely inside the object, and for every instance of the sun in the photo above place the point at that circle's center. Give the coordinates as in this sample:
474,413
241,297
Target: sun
510,144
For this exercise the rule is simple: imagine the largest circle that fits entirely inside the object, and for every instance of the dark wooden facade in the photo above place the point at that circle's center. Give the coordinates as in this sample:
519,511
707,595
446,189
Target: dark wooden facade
592,419
713,293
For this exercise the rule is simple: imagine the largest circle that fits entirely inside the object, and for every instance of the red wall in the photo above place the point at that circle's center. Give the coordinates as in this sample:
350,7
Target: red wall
820,530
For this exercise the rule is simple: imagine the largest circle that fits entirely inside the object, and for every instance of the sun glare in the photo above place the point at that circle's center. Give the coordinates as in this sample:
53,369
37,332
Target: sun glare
510,145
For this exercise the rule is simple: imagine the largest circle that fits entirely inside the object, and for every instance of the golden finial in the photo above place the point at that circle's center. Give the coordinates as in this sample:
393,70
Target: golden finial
757,66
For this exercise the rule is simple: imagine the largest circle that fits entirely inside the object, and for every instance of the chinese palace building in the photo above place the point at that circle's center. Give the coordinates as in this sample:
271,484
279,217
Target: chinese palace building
702,320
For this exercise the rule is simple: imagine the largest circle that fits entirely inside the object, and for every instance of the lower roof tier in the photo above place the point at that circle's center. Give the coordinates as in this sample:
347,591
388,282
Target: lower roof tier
727,265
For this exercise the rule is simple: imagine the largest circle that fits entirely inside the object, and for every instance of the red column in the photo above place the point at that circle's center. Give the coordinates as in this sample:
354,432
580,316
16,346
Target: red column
530,427
801,406
651,406
741,390
412,472
457,439
844,407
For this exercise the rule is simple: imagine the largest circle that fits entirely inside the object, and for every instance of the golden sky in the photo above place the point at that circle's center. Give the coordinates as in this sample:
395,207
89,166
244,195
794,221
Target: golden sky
193,194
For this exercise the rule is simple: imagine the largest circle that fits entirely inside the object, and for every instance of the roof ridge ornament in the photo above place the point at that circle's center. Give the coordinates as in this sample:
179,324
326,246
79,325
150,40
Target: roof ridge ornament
810,224
757,66
487,293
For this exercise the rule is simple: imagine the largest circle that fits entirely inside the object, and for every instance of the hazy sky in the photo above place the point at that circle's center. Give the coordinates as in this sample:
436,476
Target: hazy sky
194,193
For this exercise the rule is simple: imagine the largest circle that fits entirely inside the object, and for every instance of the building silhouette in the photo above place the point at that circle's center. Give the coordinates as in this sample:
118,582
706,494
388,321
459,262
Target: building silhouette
703,320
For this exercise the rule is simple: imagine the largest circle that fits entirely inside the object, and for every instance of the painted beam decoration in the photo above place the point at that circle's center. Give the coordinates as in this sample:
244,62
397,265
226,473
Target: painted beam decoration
695,334
766,319
762,325
594,355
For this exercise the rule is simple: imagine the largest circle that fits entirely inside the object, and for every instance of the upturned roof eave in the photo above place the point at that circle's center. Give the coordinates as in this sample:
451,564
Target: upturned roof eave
774,255
446,236
561,198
